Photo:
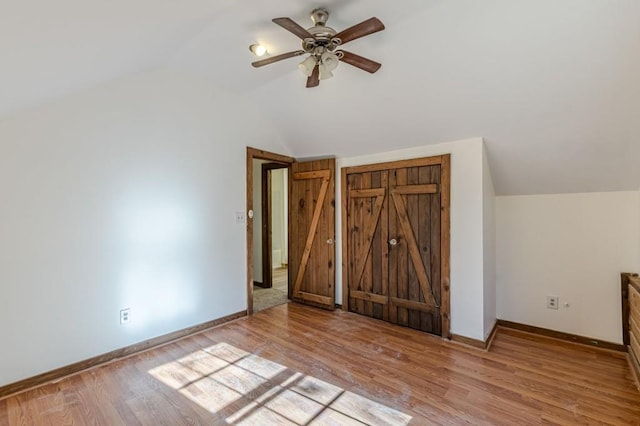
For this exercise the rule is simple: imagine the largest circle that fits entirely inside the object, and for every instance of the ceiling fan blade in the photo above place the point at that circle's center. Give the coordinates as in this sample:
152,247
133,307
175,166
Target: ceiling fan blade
370,26
277,58
360,62
314,78
291,26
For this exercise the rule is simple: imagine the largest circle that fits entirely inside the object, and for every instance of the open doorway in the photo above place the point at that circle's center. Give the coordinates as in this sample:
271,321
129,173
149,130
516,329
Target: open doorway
267,239
271,256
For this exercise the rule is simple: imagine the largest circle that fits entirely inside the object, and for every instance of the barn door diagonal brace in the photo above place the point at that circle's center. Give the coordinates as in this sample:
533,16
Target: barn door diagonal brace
370,230
325,175
412,245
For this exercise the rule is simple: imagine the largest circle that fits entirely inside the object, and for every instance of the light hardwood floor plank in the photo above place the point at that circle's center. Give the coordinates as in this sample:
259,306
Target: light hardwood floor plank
298,365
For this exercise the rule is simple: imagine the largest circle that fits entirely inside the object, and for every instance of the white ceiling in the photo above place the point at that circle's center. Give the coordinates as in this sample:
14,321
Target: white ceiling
552,85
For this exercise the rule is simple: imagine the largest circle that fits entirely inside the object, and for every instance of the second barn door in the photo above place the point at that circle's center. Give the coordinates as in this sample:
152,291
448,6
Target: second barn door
312,232
396,245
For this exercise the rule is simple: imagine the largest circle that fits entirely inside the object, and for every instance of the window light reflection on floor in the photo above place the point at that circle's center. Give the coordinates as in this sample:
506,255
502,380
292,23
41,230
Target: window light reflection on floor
246,389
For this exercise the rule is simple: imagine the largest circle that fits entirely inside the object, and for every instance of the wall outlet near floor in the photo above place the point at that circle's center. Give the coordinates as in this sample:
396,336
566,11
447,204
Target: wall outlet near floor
552,302
125,315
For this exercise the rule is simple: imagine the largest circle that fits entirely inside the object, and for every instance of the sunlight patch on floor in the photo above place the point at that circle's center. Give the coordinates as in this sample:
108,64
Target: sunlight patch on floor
246,389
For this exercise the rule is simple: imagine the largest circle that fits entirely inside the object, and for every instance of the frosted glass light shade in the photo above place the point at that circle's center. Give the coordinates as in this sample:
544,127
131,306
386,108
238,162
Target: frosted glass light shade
330,61
307,65
325,73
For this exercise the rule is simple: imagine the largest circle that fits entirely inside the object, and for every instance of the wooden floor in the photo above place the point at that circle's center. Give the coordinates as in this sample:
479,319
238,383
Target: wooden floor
297,365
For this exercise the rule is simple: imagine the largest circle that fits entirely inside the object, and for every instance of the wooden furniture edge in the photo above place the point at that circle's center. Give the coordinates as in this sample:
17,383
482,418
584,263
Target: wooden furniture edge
78,367
627,279
477,343
630,280
560,335
634,366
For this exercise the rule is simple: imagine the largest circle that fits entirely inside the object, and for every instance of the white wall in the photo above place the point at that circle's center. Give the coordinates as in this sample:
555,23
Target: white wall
279,216
570,245
489,246
257,219
466,227
278,213
121,196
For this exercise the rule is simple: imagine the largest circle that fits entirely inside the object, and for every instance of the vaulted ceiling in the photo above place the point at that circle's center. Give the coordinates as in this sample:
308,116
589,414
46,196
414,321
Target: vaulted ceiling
553,86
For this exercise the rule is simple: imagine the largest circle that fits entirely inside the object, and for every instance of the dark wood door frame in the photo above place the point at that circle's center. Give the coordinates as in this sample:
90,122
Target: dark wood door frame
257,154
267,234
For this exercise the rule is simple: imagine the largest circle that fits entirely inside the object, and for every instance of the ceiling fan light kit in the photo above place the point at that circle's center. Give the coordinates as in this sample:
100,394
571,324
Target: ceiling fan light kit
321,42
307,65
258,49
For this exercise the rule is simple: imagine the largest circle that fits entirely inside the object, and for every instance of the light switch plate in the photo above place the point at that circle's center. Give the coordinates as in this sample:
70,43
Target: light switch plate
241,217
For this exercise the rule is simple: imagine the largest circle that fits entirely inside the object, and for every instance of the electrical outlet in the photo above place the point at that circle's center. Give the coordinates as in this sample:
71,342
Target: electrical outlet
552,302
125,315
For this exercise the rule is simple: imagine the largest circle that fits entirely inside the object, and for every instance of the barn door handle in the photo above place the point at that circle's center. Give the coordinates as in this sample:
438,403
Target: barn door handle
329,241
393,242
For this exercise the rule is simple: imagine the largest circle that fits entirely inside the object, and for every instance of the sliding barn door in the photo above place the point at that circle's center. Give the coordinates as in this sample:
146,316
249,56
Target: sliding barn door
312,232
397,242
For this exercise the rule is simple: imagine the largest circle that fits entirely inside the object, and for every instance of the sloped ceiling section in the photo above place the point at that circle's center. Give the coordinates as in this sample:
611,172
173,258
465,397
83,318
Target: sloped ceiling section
52,48
551,85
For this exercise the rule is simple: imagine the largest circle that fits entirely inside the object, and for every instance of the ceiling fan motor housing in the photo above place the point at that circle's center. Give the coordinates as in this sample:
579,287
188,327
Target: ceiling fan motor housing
319,16
323,36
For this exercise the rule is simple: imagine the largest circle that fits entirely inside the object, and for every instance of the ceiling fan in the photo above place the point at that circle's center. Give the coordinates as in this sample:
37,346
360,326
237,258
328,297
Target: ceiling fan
321,42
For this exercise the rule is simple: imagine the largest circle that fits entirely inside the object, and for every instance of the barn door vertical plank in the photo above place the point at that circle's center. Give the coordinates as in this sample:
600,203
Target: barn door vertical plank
393,232
425,245
321,262
330,211
312,186
302,219
344,206
365,253
382,241
445,245
349,237
413,213
376,250
294,234
358,239
403,254
435,249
